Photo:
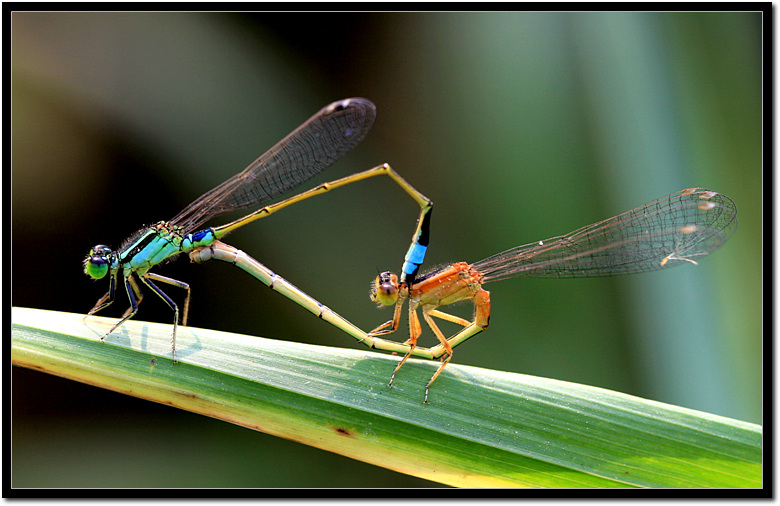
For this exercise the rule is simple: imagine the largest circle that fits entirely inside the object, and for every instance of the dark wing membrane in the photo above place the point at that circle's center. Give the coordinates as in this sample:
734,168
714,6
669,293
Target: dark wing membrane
676,229
308,150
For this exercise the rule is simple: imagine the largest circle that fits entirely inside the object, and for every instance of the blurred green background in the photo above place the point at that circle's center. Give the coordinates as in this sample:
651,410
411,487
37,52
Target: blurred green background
520,126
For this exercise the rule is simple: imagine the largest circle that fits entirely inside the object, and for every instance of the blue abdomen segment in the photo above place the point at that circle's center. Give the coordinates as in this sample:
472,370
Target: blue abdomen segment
413,259
416,254
198,240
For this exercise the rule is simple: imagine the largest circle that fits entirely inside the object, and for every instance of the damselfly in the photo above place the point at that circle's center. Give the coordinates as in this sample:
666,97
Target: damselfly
673,230
308,150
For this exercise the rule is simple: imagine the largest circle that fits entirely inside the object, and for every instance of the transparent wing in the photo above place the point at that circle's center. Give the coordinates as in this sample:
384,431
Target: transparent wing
309,149
678,228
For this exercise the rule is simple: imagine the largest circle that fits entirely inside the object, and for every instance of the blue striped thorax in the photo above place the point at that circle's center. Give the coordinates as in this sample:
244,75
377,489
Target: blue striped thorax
147,248
159,243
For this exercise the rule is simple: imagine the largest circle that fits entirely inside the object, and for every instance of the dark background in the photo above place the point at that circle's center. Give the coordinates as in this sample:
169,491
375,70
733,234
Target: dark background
520,126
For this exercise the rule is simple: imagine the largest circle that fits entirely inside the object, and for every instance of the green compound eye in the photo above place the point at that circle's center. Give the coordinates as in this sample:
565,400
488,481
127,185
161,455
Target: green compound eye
96,263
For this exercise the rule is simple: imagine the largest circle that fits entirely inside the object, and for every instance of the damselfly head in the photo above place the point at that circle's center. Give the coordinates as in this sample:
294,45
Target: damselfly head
384,289
97,263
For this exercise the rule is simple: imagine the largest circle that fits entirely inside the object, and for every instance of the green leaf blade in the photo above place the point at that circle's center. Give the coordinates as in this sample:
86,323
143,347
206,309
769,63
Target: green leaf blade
482,429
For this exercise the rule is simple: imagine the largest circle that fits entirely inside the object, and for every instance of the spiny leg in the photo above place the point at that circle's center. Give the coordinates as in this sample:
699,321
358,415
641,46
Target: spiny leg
414,333
106,299
481,318
135,296
444,342
449,317
101,303
481,301
178,284
147,279
393,324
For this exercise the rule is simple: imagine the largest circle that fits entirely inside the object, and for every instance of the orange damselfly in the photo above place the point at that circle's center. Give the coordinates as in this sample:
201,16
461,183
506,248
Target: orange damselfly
673,230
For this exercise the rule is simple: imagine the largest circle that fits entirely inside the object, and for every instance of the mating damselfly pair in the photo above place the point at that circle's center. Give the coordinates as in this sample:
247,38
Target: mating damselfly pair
673,230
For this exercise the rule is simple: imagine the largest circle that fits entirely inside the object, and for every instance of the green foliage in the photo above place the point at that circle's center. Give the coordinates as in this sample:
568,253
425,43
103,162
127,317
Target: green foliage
483,428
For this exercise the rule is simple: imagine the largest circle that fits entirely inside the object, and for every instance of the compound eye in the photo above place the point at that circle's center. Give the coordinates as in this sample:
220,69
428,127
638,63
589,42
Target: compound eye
100,249
96,264
384,289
